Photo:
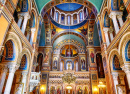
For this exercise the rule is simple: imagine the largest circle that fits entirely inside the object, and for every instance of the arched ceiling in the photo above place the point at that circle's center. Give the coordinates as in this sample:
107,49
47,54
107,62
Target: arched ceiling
42,3
68,6
68,36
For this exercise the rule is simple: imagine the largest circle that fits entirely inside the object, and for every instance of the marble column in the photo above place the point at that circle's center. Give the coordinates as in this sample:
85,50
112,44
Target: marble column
4,70
83,15
66,20
71,19
113,17
119,17
26,17
12,69
55,16
59,18
77,18
126,68
20,18
105,29
24,78
115,80
32,35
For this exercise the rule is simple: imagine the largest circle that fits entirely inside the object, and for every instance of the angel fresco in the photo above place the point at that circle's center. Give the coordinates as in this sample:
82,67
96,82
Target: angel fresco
53,31
83,31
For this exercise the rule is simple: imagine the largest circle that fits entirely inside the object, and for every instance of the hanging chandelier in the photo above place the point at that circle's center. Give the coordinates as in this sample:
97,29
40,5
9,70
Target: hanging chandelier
68,78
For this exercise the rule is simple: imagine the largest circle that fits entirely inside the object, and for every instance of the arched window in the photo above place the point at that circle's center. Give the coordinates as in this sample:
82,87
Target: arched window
115,4
116,63
32,20
23,64
81,16
100,66
9,51
127,51
85,12
69,20
53,13
62,19
57,16
39,61
24,5
106,20
75,19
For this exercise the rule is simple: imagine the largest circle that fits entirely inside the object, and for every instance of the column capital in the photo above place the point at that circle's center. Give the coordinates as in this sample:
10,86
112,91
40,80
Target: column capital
33,30
115,75
20,16
3,67
112,14
12,67
119,14
105,29
111,30
126,68
26,15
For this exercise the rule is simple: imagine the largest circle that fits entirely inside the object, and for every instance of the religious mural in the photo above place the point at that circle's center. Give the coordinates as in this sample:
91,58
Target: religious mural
84,31
85,90
59,90
116,63
46,56
44,78
52,90
79,90
55,63
92,56
83,64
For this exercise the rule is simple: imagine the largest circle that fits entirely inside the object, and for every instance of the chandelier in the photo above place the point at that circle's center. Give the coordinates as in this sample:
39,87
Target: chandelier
68,78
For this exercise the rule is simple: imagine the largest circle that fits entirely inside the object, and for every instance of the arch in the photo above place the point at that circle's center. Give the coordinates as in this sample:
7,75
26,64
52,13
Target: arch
77,44
76,35
26,52
93,3
34,17
23,64
79,89
39,61
115,4
105,9
115,63
100,65
122,44
106,20
25,5
127,51
16,41
9,51
85,89
112,53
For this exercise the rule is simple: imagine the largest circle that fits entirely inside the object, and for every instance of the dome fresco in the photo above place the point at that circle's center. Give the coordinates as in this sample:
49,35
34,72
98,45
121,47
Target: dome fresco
69,6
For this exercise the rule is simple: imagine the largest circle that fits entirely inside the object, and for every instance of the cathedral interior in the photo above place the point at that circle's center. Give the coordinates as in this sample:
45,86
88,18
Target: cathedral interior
64,46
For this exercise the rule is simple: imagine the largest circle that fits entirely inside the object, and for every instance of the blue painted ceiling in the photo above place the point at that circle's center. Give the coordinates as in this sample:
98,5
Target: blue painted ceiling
68,36
69,6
